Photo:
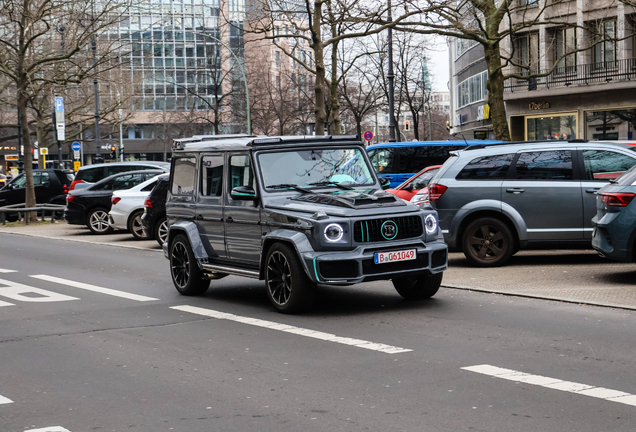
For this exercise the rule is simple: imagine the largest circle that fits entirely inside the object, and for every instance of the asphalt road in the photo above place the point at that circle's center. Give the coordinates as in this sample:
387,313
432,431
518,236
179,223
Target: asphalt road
95,338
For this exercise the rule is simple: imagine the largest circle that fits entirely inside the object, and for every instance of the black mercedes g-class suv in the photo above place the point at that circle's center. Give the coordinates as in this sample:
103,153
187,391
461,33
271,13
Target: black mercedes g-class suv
294,211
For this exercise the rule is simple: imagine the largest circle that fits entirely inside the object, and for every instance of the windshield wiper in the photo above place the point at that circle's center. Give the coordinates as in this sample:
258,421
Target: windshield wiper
328,183
288,186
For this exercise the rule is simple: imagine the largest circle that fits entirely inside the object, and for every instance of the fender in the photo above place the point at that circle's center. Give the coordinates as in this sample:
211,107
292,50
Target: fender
189,228
300,242
491,205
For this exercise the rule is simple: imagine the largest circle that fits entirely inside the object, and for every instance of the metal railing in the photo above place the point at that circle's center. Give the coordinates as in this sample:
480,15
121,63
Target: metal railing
24,212
587,74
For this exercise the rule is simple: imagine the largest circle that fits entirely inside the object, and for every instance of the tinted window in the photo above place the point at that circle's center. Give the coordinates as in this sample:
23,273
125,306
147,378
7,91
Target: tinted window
545,165
424,179
103,186
493,167
382,160
212,175
91,175
41,178
241,173
605,165
127,181
19,182
414,159
116,169
183,176
149,187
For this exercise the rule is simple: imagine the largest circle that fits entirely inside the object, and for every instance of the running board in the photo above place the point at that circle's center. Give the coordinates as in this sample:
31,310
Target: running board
215,268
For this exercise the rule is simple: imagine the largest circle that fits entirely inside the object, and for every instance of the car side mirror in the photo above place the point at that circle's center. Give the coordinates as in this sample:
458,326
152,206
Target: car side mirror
243,193
384,182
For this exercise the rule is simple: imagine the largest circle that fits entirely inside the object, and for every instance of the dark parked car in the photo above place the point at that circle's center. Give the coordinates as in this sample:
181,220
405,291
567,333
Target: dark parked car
154,218
95,173
51,187
614,234
90,206
295,212
497,199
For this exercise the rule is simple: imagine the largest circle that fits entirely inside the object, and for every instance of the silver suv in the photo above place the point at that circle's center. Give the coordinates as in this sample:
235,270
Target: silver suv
495,200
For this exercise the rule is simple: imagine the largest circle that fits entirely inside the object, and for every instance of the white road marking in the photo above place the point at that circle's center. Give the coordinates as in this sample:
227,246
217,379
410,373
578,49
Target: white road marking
8,271
16,291
3,303
554,383
4,400
49,429
295,330
94,288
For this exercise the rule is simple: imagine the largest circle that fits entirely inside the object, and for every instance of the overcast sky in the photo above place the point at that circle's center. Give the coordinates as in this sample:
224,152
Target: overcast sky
438,63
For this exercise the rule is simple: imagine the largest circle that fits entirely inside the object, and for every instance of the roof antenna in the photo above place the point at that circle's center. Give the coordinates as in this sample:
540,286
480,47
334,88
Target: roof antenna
466,142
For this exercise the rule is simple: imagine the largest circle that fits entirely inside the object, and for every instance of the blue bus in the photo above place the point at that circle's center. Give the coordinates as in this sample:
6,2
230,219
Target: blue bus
400,161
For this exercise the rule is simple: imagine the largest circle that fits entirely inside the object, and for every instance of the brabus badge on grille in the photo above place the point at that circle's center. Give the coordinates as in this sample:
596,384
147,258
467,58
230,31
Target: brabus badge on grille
389,230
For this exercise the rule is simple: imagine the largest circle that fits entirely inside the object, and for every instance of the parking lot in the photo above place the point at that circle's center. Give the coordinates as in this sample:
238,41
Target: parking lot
579,276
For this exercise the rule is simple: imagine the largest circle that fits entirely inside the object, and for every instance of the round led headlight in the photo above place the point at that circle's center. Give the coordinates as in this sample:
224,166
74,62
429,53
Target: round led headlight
430,222
333,232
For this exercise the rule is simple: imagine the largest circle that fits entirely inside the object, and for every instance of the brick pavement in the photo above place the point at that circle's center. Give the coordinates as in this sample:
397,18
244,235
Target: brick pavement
577,276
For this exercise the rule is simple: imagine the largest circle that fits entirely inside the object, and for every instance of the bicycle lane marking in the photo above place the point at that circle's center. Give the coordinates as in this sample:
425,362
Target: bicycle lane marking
388,349
5,400
94,288
555,383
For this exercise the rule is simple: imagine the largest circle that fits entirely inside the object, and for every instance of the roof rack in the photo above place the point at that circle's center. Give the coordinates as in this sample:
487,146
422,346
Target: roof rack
180,143
301,139
481,146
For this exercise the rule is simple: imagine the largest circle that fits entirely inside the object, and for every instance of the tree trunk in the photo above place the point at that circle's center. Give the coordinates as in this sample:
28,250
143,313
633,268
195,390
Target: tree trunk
320,112
333,85
496,93
26,143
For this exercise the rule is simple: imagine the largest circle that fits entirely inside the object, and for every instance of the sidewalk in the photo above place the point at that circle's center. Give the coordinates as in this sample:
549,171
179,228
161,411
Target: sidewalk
574,276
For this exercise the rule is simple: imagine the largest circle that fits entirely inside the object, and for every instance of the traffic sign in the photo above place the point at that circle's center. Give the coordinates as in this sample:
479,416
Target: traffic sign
44,151
76,146
368,136
76,165
60,125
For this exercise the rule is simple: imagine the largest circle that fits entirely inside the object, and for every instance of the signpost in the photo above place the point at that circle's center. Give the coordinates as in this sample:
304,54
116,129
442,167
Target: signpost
60,126
76,146
368,136
44,151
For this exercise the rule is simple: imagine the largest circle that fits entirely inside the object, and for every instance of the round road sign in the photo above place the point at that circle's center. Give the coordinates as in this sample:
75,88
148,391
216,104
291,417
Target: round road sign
76,146
368,136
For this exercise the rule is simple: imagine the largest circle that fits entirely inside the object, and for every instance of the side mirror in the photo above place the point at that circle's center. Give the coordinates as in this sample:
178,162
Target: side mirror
384,182
243,193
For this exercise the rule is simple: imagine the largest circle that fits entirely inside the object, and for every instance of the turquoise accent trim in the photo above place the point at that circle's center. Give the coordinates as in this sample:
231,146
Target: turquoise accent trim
367,224
242,194
362,232
316,270
382,230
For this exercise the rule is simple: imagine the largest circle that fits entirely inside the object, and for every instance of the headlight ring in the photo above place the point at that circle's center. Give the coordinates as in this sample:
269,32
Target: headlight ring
333,232
430,223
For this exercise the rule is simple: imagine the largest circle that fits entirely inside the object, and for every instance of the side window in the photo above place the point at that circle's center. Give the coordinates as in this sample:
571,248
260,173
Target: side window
91,175
241,173
493,167
424,179
104,186
212,175
382,160
149,187
41,179
184,170
19,182
116,169
127,181
414,159
605,165
545,165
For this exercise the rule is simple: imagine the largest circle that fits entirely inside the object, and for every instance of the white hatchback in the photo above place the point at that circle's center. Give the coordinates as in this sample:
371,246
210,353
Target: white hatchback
127,207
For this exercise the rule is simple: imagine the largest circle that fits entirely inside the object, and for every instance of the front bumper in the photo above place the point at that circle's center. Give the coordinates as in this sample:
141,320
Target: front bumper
355,266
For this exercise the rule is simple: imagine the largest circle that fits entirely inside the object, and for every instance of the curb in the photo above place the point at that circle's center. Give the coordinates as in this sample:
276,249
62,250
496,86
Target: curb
83,241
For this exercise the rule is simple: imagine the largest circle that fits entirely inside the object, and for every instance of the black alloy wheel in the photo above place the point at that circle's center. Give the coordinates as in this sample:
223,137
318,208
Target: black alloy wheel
161,231
187,277
97,221
418,287
487,242
288,287
135,226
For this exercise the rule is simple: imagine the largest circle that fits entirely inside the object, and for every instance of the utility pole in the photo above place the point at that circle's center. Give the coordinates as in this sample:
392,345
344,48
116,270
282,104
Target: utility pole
391,77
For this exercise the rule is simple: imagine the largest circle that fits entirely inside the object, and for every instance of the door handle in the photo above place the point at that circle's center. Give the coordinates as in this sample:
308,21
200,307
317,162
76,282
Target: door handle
229,219
200,217
593,190
515,190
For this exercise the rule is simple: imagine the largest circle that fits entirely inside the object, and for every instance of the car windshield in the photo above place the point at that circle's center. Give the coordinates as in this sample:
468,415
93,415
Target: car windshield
314,168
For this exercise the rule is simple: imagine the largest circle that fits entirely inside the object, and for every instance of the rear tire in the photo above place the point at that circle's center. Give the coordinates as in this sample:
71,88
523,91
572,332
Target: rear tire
135,226
187,277
418,287
487,242
161,231
288,287
97,221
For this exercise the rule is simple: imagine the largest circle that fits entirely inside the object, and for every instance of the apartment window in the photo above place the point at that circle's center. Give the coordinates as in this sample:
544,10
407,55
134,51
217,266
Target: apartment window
277,58
463,45
528,2
473,89
565,42
528,52
605,45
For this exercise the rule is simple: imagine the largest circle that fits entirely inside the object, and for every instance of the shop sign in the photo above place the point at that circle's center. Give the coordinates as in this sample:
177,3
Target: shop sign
539,105
480,135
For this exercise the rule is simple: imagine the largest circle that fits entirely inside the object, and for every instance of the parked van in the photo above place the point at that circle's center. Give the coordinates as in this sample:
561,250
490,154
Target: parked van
400,161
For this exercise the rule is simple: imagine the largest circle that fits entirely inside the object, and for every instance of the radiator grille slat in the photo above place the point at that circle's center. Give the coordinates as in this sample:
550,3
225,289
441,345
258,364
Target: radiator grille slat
367,231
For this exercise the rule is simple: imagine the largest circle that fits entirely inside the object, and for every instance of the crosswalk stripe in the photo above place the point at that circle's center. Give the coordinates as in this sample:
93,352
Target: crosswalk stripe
49,429
94,288
8,271
4,400
554,383
294,330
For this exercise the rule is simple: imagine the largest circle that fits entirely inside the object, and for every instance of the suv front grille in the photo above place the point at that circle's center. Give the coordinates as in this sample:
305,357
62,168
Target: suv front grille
371,230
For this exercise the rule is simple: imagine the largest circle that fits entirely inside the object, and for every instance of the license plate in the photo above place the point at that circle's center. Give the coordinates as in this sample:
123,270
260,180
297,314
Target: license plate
387,257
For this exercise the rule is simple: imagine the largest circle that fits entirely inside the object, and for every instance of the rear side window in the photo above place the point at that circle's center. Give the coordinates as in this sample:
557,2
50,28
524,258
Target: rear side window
116,169
128,181
382,160
91,175
183,176
212,175
149,187
494,167
605,165
545,165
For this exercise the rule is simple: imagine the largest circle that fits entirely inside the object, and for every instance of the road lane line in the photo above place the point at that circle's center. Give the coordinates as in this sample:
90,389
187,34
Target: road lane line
49,429
294,330
94,288
555,383
8,271
26,293
4,400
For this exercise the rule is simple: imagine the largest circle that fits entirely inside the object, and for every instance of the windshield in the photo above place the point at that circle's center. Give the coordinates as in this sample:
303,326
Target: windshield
315,168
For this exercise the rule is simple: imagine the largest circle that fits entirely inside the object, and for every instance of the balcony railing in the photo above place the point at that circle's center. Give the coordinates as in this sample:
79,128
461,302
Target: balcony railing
587,74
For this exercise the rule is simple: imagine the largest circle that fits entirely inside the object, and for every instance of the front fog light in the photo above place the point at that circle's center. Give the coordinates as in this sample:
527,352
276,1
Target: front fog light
333,232
431,224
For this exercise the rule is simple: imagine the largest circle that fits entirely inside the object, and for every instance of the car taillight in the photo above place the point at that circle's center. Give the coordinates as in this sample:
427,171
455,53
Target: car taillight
69,198
76,182
64,189
115,200
147,203
435,191
617,199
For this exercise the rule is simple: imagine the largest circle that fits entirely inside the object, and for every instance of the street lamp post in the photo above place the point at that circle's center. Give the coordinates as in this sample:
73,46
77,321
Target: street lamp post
98,155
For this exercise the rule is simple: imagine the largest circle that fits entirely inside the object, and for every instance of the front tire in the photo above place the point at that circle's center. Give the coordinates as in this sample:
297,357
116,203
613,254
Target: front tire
418,287
135,226
187,277
487,242
288,287
97,221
